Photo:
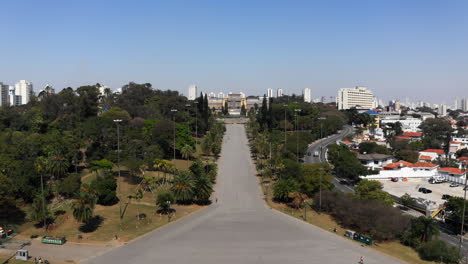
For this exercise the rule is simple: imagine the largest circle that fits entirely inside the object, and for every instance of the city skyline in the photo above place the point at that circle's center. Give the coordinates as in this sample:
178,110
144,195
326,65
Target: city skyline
235,46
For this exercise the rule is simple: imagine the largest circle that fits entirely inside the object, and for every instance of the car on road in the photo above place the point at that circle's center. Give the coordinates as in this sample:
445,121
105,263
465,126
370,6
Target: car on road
454,184
394,179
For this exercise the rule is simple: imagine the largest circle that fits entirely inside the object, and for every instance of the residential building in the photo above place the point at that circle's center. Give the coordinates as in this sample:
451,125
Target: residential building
455,104
375,161
307,95
24,89
279,92
408,124
220,95
442,110
192,92
464,104
4,97
269,93
355,97
323,99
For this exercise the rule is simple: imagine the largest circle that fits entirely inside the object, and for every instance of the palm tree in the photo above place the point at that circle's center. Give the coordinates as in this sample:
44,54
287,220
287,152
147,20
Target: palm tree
429,228
58,165
83,207
186,152
203,188
184,186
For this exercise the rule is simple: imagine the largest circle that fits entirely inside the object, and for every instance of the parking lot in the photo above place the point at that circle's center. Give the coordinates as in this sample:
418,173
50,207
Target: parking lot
412,185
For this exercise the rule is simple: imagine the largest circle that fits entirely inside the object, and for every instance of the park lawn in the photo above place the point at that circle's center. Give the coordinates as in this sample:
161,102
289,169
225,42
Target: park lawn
326,222
107,223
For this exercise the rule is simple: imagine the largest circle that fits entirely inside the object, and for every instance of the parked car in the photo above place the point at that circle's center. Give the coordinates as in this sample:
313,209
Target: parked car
421,189
454,184
427,190
394,179
446,196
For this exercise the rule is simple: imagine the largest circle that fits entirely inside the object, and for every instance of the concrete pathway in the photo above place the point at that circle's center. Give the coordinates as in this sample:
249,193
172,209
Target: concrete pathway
239,228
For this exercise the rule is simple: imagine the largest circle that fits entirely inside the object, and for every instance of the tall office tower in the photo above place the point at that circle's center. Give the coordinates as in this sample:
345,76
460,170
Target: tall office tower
323,99
442,110
192,92
4,97
269,93
455,104
464,104
307,95
279,92
24,89
357,96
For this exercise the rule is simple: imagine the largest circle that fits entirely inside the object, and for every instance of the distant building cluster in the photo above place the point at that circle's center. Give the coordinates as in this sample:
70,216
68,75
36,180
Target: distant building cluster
14,95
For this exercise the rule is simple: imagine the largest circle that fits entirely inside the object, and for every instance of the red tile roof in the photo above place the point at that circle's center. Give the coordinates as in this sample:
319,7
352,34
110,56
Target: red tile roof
463,159
452,170
412,134
398,164
403,137
438,151
347,142
454,142
425,157
424,165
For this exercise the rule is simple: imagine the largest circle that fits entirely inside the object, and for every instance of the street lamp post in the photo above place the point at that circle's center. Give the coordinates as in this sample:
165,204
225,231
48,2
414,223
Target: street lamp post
321,155
297,134
285,107
463,212
118,121
174,111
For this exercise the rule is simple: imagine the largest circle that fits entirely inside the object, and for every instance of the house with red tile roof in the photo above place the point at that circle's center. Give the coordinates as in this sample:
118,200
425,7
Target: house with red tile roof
415,135
449,171
433,153
398,165
425,166
424,158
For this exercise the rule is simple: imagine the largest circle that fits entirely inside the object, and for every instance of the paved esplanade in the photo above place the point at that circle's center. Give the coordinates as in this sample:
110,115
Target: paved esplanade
240,228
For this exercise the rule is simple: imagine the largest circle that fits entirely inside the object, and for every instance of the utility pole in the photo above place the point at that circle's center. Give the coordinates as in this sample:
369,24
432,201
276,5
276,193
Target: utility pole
174,114
118,121
463,212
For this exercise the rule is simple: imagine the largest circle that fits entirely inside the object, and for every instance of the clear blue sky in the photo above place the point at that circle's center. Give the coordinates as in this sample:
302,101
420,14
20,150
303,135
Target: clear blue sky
398,48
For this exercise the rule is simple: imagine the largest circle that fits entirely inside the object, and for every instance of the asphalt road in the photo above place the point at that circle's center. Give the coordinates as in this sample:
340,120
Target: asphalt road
240,228
320,146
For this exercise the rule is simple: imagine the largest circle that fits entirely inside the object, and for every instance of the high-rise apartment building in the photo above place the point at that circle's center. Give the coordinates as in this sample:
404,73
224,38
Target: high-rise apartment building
354,97
455,104
307,95
24,89
269,93
464,104
4,97
279,92
442,110
192,92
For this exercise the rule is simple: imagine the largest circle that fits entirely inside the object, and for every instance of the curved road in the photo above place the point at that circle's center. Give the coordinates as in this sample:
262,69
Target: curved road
239,228
322,145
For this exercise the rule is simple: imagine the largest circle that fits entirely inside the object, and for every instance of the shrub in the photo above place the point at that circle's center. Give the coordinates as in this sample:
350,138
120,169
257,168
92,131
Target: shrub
105,188
70,186
380,221
164,201
438,250
283,188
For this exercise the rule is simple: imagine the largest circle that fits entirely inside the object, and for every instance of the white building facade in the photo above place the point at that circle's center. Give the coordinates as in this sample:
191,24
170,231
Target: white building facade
279,92
269,93
24,89
353,97
307,95
192,92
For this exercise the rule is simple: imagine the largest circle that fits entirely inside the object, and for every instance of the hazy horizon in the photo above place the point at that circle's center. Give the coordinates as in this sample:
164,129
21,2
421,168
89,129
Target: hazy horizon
399,49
